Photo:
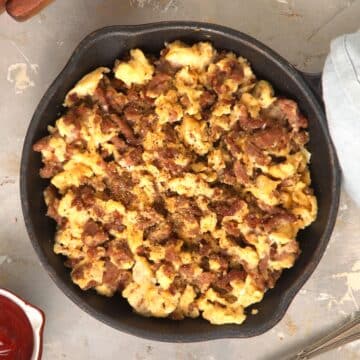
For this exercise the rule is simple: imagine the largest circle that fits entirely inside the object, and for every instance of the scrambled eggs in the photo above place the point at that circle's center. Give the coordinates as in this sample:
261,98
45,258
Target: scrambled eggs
180,182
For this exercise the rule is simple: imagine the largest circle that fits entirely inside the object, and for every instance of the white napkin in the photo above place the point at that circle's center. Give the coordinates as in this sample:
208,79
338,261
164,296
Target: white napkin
341,90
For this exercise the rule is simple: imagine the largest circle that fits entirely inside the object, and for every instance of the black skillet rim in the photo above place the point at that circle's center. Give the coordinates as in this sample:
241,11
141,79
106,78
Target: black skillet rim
289,294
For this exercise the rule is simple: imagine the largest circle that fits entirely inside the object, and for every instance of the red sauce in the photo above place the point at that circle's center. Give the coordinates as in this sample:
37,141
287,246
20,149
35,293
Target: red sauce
16,335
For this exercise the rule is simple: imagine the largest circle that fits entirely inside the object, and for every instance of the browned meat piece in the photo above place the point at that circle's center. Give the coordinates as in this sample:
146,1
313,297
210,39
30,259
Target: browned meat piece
232,229
119,253
263,266
171,253
71,262
228,176
125,177
53,213
159,84
42,144
108,99
116,224
115,100
119,143
78,273
143,251
247,123
204,280
234,70
106,124
259,280
166,160
220,208
53,204
177,286
290,181
125,129
84,197
133,156
187,271
149,218
273,277
204,249
290,249
120,187
269,277
217,82
111,274
124,280
118,85
78,145
222,259
222,284
274,221
132,114
94,234
216,132
74,98
253,151
273,210
169,270
288,109
50,169
115,278
73,117
230,141
240,173
301,138
271,138
187,206
226,208
253,220
164,67
100,97
159,232
185,101
124,196
207,99
133,94
264,278
136,96
186,225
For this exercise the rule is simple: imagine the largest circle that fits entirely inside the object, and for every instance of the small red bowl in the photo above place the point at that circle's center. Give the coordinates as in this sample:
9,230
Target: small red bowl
35,316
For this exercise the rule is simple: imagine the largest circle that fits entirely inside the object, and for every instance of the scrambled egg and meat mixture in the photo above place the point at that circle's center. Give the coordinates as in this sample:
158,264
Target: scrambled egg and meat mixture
180,182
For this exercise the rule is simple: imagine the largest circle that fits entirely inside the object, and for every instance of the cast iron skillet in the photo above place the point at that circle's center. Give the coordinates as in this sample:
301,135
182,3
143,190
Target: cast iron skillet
101,48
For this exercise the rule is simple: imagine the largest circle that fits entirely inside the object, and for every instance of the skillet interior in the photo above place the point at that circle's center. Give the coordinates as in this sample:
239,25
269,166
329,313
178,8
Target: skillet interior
100,49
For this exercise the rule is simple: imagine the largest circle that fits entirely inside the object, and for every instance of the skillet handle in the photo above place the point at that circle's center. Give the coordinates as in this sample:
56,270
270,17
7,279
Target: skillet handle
314,82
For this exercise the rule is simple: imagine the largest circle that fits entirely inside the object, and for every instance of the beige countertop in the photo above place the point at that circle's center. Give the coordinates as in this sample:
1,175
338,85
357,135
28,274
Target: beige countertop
33,53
